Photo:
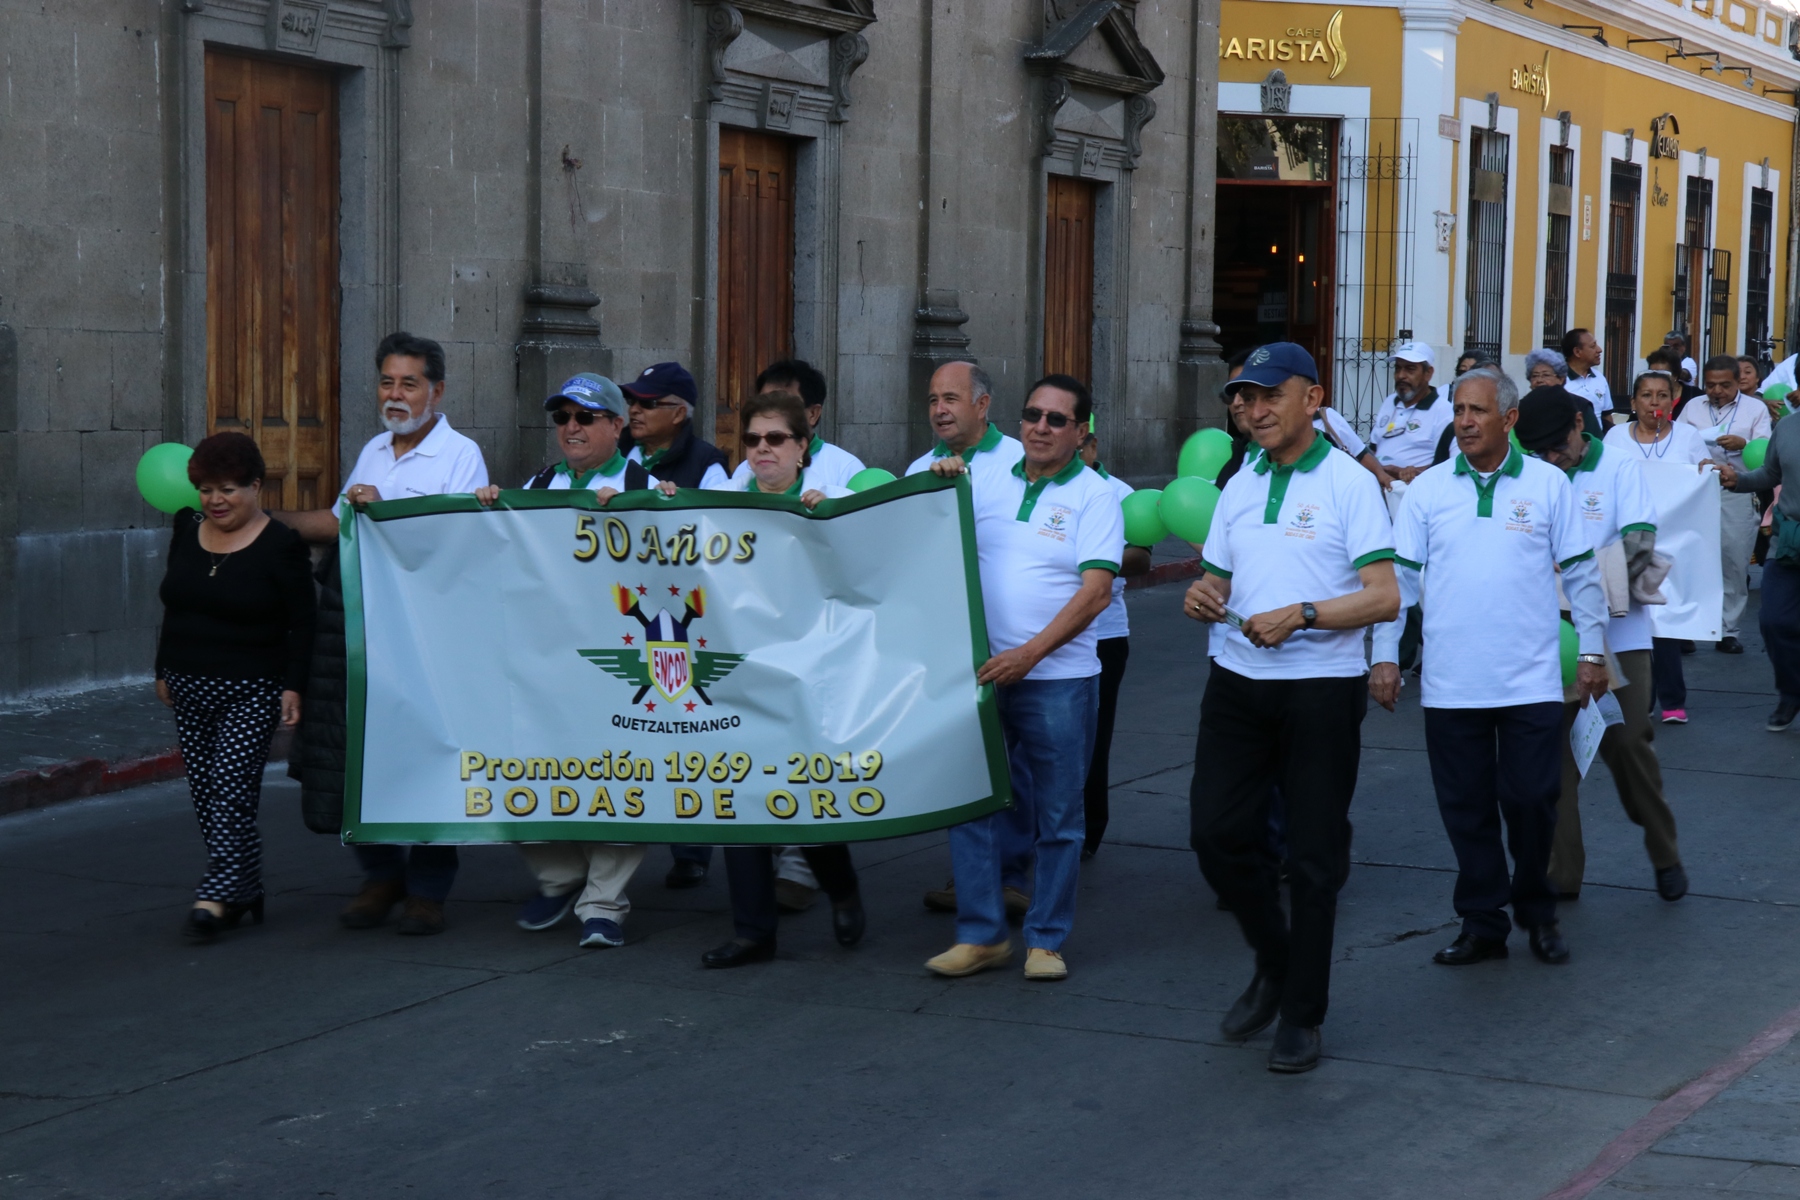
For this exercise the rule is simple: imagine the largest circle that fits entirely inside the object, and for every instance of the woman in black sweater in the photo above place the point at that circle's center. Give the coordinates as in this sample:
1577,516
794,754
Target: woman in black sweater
237,628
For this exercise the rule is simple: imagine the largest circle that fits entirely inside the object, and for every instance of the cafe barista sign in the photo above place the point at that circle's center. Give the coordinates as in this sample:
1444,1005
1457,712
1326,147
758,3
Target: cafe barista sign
1293,44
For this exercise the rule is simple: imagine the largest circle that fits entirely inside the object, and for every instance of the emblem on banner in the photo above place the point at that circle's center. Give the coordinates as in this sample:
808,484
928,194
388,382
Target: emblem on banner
669,660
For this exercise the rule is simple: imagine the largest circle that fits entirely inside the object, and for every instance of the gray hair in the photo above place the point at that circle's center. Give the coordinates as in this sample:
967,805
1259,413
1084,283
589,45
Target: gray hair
1506,392
979,383
1547,358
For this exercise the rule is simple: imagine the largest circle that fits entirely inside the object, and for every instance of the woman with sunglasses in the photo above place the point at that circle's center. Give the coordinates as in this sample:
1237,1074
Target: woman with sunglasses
1656,436
775,438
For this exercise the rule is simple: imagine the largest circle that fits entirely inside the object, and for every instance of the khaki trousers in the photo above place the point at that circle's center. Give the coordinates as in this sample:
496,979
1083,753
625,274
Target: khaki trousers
1737,540
599,870
1637,774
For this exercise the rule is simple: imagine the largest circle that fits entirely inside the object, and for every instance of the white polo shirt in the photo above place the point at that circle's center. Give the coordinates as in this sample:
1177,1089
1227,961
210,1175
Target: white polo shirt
1591,387
1330,419
1679,443
444,462
1113,623
1613,500
1287,535
609,474
1489,554
806,483
1406,435
1034,541
995,453
830,464
1745,417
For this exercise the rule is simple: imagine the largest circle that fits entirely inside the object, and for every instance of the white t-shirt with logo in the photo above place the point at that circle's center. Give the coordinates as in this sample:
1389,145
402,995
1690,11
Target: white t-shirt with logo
831,465
1034,541
1591,387
609,474
1613,500
994,452
1289,535
1113,623
1489,579
1330,420
1407,435
443,463
806,483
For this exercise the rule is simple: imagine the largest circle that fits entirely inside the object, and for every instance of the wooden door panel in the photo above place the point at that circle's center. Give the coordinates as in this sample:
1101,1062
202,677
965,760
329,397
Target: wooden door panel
1069,278
272,268
756,268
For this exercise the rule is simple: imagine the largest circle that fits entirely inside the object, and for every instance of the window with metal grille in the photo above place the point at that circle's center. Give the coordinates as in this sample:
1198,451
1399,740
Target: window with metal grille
1619,343
1693,284
1758,267
1486,293
1559,209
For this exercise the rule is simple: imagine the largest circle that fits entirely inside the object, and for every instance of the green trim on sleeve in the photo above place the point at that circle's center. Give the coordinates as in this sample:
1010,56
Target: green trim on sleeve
1097,564
1409,563
1638,527
1210,569
1372,556
1566,563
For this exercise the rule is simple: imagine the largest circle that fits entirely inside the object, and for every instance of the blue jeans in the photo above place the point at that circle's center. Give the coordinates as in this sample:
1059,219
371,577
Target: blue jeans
1780,622
1049,729
427,871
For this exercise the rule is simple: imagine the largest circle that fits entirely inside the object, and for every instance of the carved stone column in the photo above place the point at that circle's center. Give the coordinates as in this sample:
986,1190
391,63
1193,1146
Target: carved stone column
1200,371
559,337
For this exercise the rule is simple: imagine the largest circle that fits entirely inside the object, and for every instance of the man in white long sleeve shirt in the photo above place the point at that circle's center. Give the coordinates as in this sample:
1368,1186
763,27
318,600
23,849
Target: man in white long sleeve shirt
1485,534
1728,421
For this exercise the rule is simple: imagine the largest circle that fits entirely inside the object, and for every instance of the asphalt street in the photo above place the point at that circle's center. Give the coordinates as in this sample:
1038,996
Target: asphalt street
299,1059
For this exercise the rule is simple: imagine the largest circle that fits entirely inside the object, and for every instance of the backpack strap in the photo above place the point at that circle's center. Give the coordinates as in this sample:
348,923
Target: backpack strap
636,478
542,478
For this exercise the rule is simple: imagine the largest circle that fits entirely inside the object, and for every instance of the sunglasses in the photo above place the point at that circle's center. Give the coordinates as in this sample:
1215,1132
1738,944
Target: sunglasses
776,440
581,416
1032,416
647,401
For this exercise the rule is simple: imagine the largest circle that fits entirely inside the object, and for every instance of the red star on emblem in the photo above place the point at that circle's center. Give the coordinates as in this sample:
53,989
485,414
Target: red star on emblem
673,590
703,643
690,706
627,638
642,590
649,706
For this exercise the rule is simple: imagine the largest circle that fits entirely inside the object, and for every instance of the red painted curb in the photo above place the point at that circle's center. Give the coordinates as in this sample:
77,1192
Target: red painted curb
1169,572
84,777
1659,1121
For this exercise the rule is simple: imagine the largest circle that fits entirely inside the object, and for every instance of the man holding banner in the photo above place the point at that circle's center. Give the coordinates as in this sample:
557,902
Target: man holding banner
1050,536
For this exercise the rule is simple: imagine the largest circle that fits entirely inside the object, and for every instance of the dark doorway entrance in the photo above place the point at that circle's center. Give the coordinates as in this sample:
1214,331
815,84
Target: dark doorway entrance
1272,275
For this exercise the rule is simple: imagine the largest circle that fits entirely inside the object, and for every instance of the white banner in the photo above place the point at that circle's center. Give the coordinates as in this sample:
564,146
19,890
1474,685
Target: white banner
1687,531
715,668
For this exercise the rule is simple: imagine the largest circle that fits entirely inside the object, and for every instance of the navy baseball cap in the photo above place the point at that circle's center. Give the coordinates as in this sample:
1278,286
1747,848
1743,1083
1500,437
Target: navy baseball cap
1274,364
596,393
664,379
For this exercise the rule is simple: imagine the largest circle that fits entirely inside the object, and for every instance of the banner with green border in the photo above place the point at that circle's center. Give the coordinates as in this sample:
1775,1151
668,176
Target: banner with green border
714,668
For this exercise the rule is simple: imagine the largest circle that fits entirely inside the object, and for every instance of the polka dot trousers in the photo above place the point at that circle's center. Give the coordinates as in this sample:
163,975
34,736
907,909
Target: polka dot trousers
225,727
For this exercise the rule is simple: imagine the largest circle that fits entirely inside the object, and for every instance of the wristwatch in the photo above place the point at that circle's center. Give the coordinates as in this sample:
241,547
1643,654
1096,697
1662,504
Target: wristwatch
1592,660
1308,614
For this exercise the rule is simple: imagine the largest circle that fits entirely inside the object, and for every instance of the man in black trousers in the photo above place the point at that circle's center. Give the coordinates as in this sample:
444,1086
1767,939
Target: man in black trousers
1301,551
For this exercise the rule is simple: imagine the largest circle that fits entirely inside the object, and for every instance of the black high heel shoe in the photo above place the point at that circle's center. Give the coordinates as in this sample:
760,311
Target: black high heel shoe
201,926
237,912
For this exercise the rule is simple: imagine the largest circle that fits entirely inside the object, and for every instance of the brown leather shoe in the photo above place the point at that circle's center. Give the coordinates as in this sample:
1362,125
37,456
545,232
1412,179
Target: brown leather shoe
942,899
373,904
422,917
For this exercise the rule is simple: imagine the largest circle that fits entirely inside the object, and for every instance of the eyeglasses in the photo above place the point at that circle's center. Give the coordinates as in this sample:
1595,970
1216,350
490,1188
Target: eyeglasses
648,401
582,416
1057,420
776,439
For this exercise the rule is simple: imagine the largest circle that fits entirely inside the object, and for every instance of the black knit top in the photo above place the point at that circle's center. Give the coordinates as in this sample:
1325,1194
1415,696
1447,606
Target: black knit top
252,618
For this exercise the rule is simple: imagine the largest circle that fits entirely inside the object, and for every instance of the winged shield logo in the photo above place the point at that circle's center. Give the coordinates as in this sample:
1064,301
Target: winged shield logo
667,661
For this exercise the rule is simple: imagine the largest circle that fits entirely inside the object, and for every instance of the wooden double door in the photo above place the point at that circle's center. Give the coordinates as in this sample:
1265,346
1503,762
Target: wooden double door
272,269
756,269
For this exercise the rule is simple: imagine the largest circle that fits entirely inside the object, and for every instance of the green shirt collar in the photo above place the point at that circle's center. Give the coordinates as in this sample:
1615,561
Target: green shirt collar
799,482
1591,460
1484,492
988,441
1315,454
816,445
1514,464
611,466
1034,490
1100,469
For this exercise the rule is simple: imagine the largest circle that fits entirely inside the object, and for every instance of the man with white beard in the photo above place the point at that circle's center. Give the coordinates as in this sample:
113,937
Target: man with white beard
418,455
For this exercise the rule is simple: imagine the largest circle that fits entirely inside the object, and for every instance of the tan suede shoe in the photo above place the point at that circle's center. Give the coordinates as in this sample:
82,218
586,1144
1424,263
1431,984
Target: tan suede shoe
1045,966
966,959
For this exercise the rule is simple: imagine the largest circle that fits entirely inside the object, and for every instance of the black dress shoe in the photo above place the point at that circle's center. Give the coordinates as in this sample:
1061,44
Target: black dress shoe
1254,1009
848,921
1468,949
739,952
1783,716
1687,646
1296,1049
1547,943
1671,882
685,874
1729,645
201,926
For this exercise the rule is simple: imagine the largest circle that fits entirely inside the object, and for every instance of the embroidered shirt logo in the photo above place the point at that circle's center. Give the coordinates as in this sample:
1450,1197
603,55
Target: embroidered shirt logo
1056,525
1520,517
1303,524
1590,506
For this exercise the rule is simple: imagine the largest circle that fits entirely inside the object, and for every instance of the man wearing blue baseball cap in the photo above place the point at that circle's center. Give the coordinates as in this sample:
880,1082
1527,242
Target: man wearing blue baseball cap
1302,551
589,413
662,429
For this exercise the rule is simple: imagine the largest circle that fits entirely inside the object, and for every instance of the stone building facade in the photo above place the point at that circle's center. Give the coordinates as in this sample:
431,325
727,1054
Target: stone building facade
211,210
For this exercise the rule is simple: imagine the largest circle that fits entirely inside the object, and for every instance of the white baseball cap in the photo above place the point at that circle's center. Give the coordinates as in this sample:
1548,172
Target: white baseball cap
1414,352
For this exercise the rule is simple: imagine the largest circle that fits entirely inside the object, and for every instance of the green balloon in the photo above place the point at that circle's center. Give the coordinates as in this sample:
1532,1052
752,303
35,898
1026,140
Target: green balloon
1571,646
1143,525
1778,393
1187,507
869,477
1755,452
1203,454
162,478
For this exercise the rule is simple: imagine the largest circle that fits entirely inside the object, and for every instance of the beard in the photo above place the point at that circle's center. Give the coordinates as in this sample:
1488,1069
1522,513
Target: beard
399,425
